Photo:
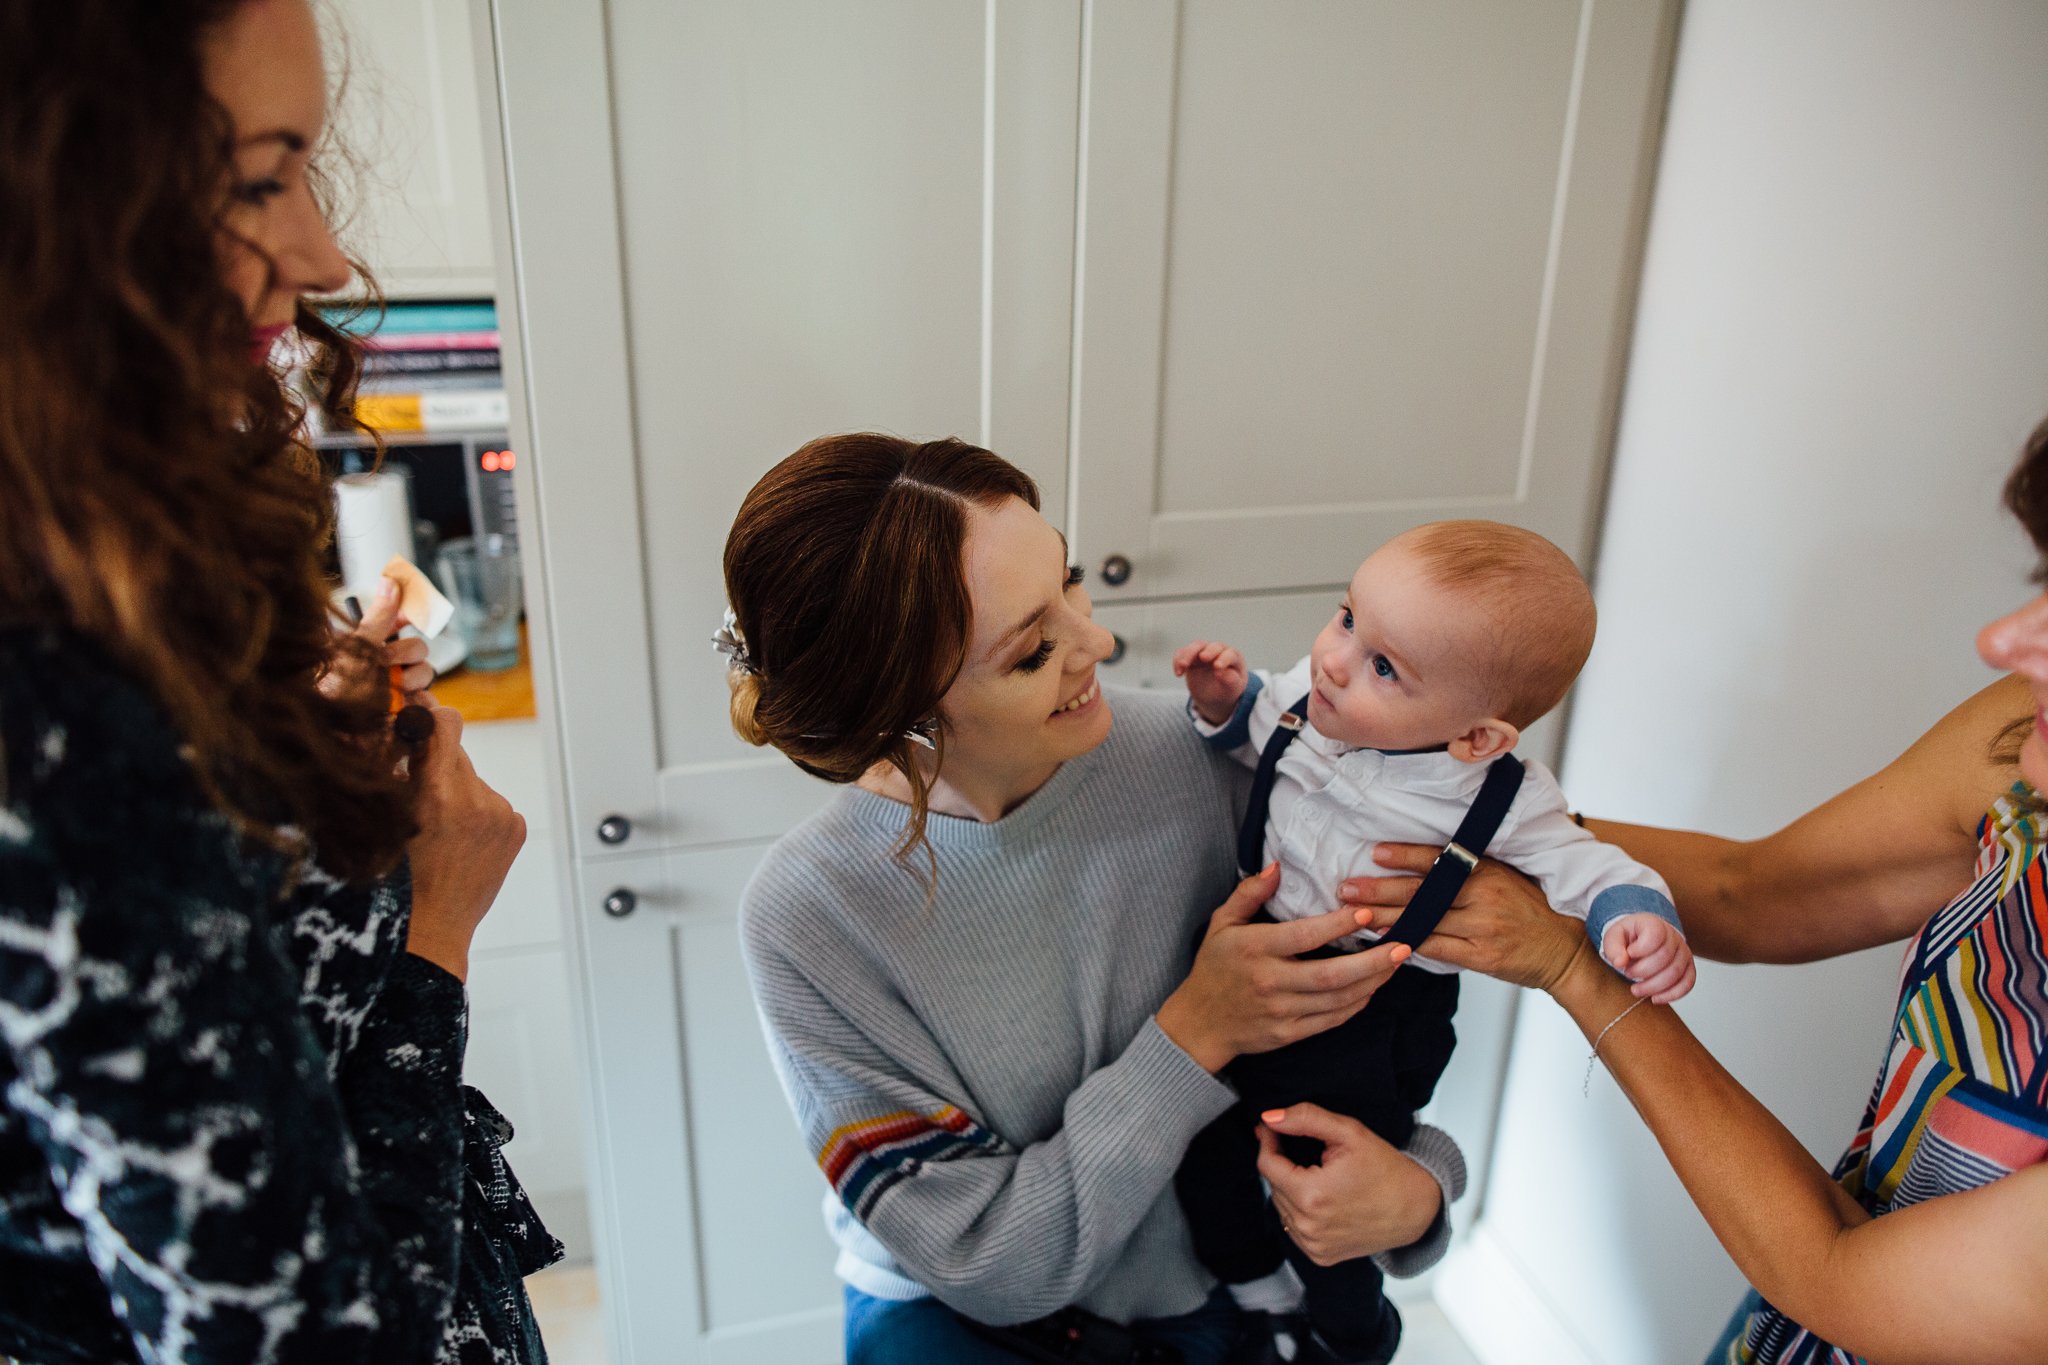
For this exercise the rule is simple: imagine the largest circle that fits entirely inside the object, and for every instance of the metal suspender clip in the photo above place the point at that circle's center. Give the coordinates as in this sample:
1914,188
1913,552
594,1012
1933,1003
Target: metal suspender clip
1454,849
1289,721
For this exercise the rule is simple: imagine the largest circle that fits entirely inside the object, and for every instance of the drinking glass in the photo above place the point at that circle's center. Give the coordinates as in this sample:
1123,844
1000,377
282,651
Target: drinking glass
482,579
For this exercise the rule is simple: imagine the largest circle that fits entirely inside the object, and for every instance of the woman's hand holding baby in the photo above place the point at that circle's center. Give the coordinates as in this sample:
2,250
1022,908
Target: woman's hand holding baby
1651,953
1500,924
1363,1196
1248,992
1216,676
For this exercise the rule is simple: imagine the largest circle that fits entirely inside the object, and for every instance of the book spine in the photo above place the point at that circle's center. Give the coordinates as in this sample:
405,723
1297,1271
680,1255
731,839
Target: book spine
434,410
480,340
430,317
430,362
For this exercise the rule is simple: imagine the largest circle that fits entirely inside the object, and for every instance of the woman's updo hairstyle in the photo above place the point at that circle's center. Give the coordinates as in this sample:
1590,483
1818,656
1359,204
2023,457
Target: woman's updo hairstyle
845,571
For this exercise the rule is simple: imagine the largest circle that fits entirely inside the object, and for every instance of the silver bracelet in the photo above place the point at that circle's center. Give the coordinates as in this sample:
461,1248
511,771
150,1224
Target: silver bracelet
1586,1088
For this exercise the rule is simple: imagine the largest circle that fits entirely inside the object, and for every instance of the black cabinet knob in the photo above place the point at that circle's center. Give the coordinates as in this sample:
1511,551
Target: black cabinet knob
614,829
1116,650
1116,571
621,903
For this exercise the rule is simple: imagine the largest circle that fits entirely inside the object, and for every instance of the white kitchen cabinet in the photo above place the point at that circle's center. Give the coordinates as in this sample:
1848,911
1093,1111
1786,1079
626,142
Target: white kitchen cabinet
1246,286
412,187
1345,267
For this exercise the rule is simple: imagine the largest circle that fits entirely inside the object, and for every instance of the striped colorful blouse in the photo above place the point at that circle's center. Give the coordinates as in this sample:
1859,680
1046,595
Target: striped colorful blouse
1962,1099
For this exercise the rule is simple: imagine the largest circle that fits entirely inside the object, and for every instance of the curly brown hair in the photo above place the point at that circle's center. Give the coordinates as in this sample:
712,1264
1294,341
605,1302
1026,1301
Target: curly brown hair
154,498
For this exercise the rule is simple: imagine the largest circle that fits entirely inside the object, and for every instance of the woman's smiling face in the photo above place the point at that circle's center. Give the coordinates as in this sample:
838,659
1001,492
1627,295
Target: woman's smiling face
263,66
1026,698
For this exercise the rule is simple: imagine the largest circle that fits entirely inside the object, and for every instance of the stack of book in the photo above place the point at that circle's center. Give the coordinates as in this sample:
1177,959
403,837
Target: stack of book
432,367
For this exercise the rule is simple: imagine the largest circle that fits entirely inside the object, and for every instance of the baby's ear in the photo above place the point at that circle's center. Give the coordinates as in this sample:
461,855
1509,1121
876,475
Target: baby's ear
1486,741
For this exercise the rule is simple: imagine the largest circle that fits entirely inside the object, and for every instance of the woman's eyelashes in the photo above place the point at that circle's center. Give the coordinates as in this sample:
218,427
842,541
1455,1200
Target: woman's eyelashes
257,193
1035,660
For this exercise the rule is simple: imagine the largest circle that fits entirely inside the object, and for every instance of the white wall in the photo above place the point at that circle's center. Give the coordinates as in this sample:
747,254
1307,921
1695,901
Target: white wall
1842,338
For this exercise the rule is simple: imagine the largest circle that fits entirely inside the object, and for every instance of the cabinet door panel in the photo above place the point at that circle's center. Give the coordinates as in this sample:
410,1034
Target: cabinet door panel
409,100
711,1238
1350,267
767,1263
836,217
522,1054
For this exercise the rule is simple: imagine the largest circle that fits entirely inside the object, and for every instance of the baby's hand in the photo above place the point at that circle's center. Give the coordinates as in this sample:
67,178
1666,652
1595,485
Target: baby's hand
1652,954
1216,678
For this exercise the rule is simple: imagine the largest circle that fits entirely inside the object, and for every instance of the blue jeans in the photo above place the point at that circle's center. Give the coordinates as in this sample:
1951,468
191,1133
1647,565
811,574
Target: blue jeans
926,1332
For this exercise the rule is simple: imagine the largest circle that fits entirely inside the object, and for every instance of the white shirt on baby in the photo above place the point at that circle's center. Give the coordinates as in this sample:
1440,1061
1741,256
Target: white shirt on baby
1331,803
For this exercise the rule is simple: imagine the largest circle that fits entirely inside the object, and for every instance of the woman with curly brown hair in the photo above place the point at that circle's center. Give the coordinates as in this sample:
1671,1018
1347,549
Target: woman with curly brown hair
234,910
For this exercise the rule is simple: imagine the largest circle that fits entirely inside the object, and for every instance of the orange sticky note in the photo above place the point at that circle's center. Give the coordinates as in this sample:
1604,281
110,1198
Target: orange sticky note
421,601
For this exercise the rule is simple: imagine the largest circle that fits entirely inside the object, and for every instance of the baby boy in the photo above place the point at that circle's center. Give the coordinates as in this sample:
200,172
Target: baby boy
1453,638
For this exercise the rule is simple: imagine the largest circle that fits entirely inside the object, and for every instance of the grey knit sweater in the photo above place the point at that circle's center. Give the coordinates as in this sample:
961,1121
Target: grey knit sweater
980,1076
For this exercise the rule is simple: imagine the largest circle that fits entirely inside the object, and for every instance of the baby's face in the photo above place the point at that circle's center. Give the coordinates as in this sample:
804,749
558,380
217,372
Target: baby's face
1397,667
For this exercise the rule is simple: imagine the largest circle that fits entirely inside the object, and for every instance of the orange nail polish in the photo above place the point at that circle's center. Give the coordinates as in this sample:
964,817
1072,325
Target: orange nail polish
1274,1116
1402,952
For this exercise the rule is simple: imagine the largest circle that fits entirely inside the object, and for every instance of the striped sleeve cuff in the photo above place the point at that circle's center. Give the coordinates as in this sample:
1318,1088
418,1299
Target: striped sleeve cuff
1238,729
863,1160
1436,1152
1627,899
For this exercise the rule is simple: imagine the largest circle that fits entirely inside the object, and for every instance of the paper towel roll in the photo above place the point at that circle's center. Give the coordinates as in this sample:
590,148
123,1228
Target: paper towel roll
373,521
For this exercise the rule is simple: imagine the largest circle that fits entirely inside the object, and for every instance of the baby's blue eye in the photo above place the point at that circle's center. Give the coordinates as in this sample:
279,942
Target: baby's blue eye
1346,614
1383,666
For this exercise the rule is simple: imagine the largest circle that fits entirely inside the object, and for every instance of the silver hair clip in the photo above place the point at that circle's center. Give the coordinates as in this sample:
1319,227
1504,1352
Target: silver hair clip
728,641
922,732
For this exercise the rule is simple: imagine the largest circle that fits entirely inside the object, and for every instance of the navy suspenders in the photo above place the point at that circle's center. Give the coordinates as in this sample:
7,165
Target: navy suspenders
1446,875
1251,835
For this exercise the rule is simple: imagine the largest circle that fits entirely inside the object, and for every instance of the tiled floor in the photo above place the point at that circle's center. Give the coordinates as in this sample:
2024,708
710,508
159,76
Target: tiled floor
570,1321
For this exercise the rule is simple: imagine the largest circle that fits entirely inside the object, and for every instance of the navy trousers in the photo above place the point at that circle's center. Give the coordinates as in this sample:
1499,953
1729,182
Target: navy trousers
1379,1067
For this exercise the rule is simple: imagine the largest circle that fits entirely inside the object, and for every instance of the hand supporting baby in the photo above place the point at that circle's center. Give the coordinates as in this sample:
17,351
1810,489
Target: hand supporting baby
1216,675
1651,953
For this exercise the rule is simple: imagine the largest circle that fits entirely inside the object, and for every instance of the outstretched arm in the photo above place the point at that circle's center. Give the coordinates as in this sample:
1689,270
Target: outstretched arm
1797,1237
1790,1229
1867,867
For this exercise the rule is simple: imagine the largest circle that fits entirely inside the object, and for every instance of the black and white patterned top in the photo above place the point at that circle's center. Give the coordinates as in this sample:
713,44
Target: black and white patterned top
232,1124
